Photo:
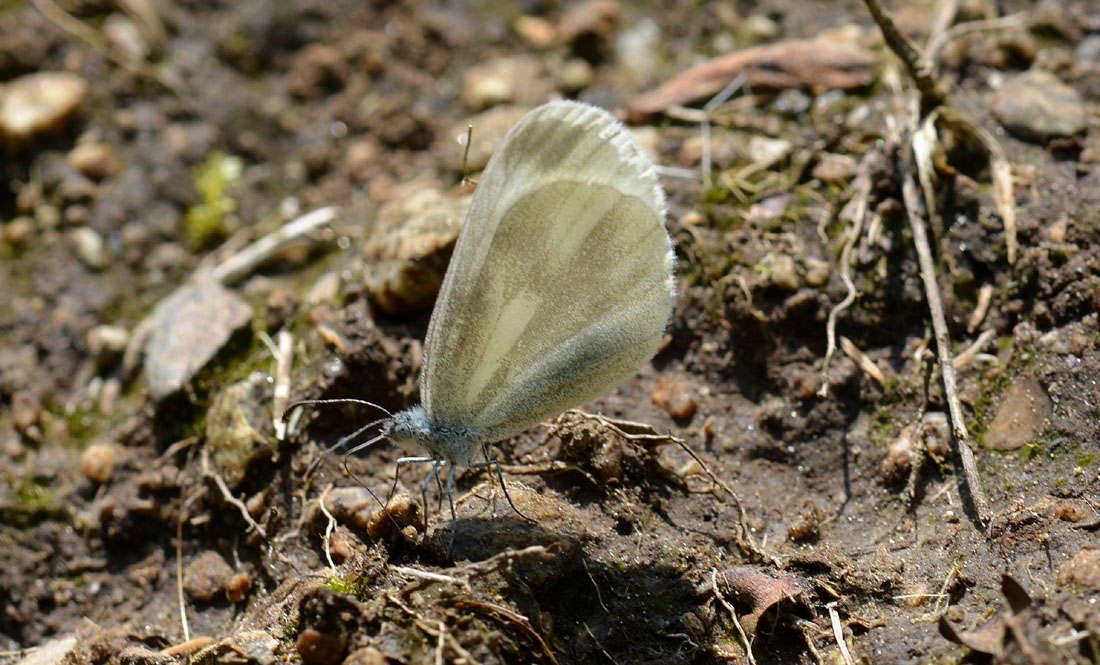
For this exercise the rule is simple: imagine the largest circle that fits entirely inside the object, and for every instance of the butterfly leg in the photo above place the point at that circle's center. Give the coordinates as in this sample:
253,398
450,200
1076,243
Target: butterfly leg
495,464
454,516
397,474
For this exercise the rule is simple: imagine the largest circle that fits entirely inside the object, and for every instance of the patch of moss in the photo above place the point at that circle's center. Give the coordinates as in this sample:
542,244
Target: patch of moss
207,222
33,503
356,586
1087,460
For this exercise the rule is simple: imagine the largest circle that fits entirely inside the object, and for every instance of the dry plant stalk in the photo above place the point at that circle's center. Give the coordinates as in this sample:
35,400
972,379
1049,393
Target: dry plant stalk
921,127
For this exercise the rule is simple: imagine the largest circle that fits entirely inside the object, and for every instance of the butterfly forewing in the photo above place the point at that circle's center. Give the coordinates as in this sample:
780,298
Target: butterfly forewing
560,286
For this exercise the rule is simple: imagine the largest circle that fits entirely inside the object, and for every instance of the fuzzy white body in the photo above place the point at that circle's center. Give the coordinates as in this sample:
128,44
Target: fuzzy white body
560,286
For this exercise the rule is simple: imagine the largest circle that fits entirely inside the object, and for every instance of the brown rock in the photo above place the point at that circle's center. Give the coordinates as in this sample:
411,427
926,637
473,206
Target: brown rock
1083,570
237,587
675,397
206,577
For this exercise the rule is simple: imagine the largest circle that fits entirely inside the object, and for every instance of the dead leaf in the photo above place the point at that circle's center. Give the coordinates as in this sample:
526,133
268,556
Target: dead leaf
750,586
813,64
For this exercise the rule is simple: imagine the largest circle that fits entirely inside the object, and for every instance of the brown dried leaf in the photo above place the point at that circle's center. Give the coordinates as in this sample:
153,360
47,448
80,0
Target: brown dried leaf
752,587
812,64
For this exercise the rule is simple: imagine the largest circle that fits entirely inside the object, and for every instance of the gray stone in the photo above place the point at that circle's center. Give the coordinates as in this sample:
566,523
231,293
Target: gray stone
1037,106
187,330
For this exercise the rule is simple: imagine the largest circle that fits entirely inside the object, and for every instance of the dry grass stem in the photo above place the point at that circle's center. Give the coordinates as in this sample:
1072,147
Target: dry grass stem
985,297
971,352
866,364
863,193
838,634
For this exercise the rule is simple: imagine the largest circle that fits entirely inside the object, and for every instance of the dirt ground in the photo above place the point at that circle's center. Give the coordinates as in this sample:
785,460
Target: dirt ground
149,514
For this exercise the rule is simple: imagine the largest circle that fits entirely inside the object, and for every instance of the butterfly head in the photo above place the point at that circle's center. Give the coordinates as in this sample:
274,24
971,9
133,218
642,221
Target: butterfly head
414,430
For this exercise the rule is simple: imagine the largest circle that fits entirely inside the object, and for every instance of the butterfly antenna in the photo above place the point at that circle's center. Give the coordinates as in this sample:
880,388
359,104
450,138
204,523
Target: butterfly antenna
344,440
466,153
340,400
385,509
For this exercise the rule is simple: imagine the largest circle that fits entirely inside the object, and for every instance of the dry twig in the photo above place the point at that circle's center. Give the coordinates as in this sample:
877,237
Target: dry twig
943,345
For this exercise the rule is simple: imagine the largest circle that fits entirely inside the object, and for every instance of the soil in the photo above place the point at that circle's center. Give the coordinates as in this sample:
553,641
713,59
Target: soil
815,528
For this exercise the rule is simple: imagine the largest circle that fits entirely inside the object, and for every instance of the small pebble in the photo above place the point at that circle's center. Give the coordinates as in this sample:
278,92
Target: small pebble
125,36
89,247
26,408
95,160
20,231
834,169
758,28
235,429
409,248
205,578
817,271
39,102
106,344
516,79
237,587
366,656
98,462
575,75
1082,571
675,397
537,32
767,152
784,273
363,159
350,506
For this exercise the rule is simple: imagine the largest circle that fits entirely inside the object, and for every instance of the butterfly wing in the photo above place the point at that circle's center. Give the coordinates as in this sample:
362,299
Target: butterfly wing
560,286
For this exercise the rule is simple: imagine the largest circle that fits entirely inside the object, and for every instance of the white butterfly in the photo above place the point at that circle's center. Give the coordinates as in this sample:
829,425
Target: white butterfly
560,287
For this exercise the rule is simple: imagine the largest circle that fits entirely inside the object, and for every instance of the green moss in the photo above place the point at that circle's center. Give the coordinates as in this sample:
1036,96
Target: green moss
1087,460
340,585
33,504
206,222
